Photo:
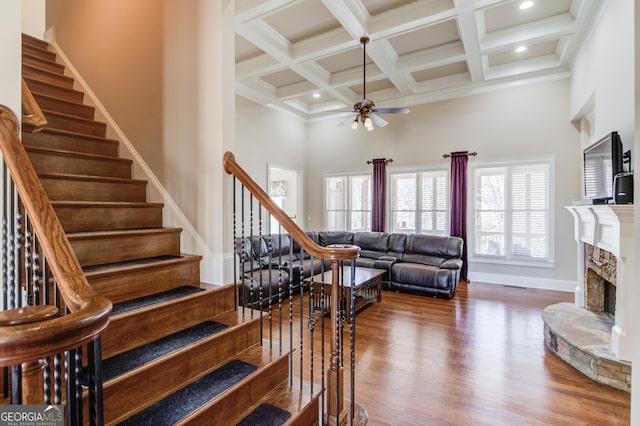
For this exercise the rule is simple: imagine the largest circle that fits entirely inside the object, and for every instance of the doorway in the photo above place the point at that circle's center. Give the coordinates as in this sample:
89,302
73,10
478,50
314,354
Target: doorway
284,186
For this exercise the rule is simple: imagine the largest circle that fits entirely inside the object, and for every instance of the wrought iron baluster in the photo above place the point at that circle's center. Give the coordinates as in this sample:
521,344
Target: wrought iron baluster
95,379
6,183
235,257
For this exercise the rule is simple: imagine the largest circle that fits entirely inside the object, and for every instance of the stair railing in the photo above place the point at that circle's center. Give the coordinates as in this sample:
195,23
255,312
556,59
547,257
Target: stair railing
50,317
33,119
266,285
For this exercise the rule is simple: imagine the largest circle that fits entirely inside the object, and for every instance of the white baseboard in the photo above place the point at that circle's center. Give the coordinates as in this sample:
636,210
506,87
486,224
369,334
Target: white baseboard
525,282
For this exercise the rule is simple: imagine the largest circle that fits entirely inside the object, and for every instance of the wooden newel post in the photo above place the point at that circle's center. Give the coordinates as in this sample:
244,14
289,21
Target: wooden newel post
33,383
336,414
32,371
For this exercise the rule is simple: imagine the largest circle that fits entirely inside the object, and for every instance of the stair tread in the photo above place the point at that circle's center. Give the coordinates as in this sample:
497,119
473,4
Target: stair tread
181,403
153,299
127,361
71,116
43,54
37,66
49,73
32,148
129,264
28,79
94,178
29,39
72,134
114,204
289,399
265,414
107,234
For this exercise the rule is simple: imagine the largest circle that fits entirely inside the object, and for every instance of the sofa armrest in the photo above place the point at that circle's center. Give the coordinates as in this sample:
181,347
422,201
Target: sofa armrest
388,259
451,264
385,263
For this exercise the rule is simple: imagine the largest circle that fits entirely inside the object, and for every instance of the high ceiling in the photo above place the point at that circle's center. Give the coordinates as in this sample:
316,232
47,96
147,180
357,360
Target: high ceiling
420,51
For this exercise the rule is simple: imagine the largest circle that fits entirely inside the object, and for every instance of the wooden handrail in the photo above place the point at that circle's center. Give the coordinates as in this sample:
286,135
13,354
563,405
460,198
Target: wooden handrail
89,312
33,119
333,252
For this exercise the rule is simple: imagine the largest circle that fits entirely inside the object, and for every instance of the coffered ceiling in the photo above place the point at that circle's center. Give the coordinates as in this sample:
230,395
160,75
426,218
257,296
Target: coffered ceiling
420,51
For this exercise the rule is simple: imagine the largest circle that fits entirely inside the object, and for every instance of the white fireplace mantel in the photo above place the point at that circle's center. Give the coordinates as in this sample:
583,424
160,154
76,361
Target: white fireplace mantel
611,228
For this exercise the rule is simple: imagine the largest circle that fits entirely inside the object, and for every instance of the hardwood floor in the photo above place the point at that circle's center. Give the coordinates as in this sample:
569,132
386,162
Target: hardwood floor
477,359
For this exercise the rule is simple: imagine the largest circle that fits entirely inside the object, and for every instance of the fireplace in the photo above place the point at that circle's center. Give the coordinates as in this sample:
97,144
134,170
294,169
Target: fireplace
594,334
605,255
600,280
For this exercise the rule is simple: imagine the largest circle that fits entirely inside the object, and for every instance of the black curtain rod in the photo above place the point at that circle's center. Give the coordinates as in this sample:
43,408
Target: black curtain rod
472,154
386,161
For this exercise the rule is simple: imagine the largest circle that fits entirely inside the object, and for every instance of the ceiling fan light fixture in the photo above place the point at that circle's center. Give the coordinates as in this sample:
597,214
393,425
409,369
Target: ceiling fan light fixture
366,109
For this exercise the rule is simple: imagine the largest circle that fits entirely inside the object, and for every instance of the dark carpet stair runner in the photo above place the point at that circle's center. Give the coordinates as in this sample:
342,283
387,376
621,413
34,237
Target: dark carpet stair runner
188,399
266,415
181,403
165,296
136,357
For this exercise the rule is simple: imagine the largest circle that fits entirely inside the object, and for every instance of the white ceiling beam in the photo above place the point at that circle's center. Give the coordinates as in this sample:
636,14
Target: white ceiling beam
248,10
467,27
544,29
438,56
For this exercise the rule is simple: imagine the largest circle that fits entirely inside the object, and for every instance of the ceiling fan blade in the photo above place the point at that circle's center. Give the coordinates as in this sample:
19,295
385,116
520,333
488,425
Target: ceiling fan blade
348,120
377,120
392,110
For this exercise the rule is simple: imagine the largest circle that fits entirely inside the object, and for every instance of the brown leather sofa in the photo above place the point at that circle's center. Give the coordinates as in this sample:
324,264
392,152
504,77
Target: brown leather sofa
414,263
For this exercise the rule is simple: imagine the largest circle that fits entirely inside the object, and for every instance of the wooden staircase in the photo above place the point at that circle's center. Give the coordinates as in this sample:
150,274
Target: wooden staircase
132,259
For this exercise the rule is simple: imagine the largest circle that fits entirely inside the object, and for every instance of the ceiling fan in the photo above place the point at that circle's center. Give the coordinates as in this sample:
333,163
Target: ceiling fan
366,111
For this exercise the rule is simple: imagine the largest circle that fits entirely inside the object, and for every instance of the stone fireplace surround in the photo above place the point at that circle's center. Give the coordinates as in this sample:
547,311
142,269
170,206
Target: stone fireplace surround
589,339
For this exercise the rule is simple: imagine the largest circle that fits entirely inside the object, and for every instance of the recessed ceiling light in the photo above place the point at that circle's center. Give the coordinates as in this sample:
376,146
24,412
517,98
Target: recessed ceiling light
526,5
521,49
316,95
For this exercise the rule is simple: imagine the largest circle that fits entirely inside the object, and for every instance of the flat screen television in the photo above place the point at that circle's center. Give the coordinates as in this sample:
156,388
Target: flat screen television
602,161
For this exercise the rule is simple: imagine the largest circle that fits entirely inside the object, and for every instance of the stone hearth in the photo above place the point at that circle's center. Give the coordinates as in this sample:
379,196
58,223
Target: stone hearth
583,339
594,333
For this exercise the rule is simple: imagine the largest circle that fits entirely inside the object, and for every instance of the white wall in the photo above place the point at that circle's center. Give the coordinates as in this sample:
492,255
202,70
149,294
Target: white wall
33,17
265,136
11,54
604,69
634,292
529,121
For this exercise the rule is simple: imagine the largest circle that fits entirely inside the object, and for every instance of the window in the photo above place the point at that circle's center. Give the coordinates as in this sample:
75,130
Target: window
419,202
348,203
511,211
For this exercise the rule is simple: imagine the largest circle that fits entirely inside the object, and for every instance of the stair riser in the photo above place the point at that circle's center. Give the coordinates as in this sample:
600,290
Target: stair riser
28,40
75,124
230,405
145,281
53,67
79,144
65,107
128,331
59,189
125,397
45,162
52,78
55,91
38,52
123,247
83,219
